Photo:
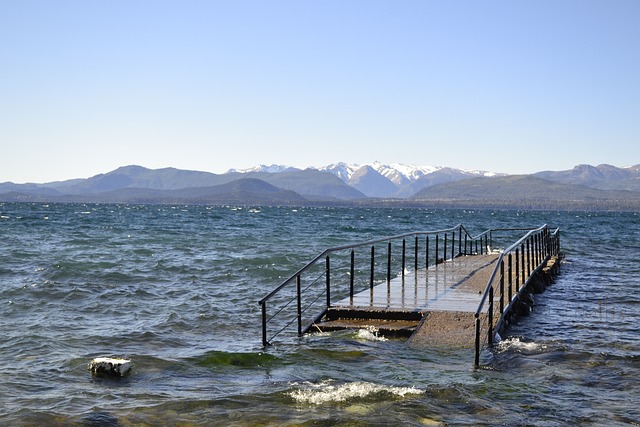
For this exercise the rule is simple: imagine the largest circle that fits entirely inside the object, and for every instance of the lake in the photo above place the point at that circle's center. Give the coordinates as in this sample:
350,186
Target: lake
176,290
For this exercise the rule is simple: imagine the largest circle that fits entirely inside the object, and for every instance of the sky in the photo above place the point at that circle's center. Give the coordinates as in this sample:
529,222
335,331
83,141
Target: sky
503,86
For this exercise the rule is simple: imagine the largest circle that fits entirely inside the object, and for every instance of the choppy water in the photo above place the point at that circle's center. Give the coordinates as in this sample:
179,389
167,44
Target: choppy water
175,288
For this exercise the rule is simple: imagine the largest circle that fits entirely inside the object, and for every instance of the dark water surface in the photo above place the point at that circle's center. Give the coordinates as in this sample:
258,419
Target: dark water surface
175,288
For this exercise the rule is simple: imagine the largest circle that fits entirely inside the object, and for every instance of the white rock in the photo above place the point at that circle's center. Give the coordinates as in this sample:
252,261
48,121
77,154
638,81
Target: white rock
111,367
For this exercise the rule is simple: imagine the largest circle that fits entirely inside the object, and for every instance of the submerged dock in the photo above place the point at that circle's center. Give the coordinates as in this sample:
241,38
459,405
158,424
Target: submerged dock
463,294
434,305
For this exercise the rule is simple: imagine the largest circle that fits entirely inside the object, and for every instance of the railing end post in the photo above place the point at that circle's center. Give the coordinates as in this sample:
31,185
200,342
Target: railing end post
476,362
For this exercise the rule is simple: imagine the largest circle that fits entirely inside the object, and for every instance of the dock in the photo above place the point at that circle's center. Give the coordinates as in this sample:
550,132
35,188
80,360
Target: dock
434,305
451,288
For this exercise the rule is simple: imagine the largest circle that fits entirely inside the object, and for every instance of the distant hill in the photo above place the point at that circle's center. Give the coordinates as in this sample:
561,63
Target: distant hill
584,187
310,182
604,177
241,191
139,177
146,183
527,191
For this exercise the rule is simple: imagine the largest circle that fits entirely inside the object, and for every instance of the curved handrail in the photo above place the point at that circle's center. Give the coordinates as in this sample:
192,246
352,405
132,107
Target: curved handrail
542,248
500,258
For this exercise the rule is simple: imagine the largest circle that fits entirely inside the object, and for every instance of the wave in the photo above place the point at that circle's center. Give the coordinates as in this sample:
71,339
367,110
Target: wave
516,344
369,333
327,392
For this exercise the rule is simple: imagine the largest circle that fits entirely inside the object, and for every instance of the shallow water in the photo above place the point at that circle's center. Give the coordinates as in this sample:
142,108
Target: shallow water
175,288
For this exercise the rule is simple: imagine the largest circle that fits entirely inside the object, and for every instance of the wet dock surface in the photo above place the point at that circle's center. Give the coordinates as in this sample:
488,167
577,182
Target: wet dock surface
434,305
455,285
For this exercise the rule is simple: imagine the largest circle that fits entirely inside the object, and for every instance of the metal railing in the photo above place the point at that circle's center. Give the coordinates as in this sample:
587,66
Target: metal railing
342,271
514,268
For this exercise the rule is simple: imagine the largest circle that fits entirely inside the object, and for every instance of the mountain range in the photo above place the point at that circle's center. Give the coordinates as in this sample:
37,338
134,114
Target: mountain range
602,187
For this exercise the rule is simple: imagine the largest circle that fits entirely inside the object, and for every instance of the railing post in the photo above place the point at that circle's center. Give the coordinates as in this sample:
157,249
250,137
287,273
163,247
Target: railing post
373,264
460,241
404,252
328,277
389,262
547,243
352,273
453,244
490,314
501,286
509,274
298,291
436,250
523,278
265,343
465,244
517,270
540,247
444,248
426,254
528,257
477,355
415,255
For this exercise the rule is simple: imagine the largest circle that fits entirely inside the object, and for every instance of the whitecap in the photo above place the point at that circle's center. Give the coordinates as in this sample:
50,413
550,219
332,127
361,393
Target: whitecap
327,392
514,343
370,333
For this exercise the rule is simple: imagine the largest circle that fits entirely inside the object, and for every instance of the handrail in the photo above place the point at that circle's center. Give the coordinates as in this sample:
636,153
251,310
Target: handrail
447,248
493,273
540,246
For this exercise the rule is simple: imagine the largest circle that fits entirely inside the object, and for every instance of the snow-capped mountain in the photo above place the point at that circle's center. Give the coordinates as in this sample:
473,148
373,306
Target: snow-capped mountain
397,180
265,168
384,180
398,173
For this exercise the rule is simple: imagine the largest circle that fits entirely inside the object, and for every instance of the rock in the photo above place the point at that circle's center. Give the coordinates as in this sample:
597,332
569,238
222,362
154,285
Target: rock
527,298
110,367
521,308
538,283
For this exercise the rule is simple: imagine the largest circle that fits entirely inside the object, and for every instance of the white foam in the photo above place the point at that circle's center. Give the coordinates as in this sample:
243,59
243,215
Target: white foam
370,333
326,392
514,343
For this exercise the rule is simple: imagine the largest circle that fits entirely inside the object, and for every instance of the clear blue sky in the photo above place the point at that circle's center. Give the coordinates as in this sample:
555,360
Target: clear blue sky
506,86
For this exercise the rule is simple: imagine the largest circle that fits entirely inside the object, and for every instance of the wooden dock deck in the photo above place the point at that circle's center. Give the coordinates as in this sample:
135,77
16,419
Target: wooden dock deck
434,305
